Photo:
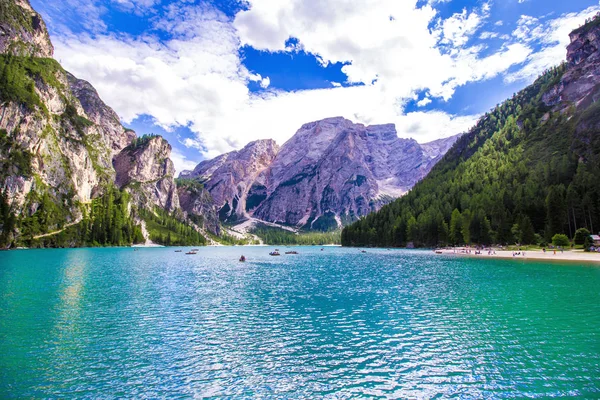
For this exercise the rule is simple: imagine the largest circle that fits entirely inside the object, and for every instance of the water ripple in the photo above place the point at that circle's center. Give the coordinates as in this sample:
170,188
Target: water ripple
337,324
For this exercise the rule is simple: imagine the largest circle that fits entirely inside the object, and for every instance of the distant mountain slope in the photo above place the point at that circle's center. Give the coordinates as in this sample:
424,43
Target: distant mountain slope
532,165
329,173
228,177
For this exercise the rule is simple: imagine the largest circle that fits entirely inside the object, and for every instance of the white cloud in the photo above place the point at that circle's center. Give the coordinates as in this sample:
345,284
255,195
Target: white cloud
197,79
181,162
423,102
384,41
64,15
488,35
458,29
434,124
265,82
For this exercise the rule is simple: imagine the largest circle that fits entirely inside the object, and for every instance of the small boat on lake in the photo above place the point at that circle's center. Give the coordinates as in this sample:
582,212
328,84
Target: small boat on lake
178,251
242,259
274,253
291,252
195,249
191,252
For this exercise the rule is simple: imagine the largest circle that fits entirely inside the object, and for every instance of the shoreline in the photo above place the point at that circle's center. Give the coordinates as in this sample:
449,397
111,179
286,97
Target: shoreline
533,255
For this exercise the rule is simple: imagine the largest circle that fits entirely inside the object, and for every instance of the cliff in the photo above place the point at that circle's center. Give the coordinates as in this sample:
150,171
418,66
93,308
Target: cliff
23,31
333,171
229,177
145,170
579,86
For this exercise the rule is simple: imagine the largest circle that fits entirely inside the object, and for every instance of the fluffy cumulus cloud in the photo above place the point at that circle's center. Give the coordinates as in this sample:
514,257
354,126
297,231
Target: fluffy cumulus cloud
387,43
393,49
181,162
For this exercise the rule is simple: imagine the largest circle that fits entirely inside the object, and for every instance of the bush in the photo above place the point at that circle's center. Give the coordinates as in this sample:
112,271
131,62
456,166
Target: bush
580,235
587,243
560,240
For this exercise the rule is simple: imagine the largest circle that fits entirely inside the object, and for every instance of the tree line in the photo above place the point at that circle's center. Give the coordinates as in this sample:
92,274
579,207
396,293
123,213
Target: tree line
168,230
277,236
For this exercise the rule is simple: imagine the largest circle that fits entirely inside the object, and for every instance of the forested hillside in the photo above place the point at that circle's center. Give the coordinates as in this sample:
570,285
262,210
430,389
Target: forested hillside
276,236
529,169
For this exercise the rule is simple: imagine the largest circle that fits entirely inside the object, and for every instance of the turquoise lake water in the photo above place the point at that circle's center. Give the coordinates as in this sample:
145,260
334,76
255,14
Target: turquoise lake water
118,323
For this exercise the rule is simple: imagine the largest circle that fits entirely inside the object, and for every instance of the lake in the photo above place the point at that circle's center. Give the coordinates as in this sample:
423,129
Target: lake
337,323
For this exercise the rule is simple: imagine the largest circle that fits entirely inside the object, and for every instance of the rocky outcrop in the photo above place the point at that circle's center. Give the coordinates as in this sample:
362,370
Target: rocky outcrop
58,138
146,171
114,136
199,205
580,84
329,173
229,177
22,30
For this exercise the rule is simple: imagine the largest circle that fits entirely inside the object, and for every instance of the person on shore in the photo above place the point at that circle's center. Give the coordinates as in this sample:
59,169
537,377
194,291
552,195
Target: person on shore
554,251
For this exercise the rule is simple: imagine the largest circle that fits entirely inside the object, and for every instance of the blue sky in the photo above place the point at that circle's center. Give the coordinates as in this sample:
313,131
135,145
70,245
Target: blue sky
211,76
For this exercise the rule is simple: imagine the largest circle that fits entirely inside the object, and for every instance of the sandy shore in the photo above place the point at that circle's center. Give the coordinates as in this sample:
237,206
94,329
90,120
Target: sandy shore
569,256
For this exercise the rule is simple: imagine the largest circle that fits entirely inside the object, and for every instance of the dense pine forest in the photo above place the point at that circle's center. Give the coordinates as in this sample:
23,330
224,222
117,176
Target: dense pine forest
166,229
277,236
521,175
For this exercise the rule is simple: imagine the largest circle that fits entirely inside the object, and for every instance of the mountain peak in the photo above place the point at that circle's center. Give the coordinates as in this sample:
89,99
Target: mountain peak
330,172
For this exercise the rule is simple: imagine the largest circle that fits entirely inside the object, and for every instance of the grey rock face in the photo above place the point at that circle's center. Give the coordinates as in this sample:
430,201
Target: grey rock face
71,141
147,172
69,158
229,177
199,206
115,137
333,171
67,146
580,85
328,174
22,30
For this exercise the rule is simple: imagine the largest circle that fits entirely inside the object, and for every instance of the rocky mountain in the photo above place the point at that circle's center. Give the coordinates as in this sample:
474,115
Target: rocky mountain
66,161
329,173
229,177
527,171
